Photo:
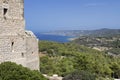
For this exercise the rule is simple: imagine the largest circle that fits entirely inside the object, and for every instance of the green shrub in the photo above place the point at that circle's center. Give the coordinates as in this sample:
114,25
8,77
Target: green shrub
12,71
80,75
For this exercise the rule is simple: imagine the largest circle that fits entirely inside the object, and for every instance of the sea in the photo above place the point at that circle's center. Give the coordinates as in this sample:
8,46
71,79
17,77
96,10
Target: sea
55,38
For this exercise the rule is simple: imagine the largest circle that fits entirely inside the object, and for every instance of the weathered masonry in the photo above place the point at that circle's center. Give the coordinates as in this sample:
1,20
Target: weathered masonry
16,44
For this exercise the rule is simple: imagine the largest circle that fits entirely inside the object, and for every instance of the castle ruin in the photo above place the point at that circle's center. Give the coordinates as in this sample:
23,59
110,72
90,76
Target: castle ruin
16,44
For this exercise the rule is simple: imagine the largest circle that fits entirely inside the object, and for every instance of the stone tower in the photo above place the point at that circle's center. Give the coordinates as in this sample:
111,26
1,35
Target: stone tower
16,44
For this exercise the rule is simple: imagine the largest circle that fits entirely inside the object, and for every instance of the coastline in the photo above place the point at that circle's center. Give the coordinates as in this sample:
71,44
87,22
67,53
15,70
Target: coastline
71,39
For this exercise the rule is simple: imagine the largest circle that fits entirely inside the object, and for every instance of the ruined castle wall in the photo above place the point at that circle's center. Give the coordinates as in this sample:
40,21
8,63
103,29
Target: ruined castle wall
16,44
1,8
11,17
15,9
10,27
32,52
20,49
12,49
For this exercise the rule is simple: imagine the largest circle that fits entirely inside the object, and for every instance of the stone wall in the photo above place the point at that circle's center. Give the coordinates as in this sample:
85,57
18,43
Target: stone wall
11,49
11,17
12,27
32,50
16,44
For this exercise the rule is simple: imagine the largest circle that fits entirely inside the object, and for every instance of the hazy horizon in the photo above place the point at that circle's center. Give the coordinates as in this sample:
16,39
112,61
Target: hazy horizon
50,15
44,31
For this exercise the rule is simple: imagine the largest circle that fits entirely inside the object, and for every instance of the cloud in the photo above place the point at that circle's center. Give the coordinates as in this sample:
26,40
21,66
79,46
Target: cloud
93,4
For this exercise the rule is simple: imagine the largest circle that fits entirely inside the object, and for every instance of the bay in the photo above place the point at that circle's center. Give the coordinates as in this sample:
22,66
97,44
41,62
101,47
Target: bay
56,38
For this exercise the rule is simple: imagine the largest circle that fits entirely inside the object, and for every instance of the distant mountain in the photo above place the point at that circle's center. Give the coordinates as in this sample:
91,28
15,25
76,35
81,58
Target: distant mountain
107,40
99,32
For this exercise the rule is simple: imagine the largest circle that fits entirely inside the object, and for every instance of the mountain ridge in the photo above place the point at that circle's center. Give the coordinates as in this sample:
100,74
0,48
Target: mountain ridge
97,32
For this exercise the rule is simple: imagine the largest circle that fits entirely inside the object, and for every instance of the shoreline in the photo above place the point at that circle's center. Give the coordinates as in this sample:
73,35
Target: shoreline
71,39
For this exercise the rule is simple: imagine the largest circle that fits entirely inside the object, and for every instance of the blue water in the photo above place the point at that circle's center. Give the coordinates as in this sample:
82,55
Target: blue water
56,38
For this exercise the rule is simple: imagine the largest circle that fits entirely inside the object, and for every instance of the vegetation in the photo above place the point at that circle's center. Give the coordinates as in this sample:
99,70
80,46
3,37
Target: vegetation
109,44
12,71
80,75
65,59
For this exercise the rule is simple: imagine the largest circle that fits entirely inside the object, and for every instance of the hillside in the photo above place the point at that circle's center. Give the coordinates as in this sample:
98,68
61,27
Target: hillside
77,33
66,59
12,71
107,40
110,44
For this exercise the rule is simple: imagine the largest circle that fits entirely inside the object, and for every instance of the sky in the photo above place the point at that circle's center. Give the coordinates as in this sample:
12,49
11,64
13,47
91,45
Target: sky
50,15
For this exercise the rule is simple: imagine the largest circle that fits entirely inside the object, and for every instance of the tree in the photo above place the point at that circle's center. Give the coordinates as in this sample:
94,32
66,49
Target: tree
12,71
80,75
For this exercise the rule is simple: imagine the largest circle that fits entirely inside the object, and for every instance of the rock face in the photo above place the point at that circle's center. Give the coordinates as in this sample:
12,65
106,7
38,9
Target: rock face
54,77
16,44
